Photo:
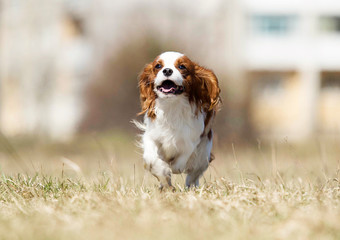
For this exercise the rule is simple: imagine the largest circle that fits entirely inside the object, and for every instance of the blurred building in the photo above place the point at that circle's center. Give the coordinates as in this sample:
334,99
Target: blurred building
291,57
44,66
281,58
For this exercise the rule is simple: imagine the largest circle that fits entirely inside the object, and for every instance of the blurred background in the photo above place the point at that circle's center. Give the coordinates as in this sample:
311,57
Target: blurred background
70,67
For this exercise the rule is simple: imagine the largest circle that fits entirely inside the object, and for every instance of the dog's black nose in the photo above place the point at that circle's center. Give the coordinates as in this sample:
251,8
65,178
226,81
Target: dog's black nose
167,72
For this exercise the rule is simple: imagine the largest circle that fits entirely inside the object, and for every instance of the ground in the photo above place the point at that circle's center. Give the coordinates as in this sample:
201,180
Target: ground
95,188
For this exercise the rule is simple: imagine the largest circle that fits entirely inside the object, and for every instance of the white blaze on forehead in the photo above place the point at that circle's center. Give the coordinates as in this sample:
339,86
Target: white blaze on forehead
169,58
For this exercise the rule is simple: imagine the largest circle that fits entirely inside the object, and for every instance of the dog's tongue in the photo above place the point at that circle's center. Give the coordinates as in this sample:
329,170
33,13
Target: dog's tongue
170,89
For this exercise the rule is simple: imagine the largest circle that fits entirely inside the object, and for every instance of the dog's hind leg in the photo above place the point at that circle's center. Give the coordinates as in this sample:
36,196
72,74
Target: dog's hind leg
199,162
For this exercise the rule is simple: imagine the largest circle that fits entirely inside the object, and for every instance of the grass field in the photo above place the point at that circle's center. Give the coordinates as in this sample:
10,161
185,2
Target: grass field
95,188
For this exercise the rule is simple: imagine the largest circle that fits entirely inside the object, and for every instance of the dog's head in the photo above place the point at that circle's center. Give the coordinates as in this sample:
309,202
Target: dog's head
172,74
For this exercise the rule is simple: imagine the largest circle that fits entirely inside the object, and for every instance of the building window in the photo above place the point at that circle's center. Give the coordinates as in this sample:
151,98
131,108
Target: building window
330,81
273,24
330,24
328,103
268,84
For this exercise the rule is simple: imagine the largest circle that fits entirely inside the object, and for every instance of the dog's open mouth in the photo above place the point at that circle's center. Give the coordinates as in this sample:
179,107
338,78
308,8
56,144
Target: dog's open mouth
169,87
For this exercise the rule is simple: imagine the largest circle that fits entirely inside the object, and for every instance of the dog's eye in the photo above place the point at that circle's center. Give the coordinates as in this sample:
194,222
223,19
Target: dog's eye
181,67
158,66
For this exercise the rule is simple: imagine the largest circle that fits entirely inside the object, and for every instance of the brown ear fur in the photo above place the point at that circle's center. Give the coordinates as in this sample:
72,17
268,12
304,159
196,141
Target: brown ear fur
147,95
207,91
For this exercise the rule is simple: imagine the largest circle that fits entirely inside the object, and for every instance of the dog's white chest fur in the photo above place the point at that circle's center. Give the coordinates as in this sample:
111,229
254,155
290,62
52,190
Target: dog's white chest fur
175,131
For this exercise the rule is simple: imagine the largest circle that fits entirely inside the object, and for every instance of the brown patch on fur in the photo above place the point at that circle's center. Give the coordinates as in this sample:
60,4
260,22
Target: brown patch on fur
212,157
188,64
205,89
201,86
146,86
209,135
208,117
207,123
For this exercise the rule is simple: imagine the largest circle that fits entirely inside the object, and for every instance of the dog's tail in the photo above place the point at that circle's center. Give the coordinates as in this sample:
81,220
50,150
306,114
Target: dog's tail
142,127
139,125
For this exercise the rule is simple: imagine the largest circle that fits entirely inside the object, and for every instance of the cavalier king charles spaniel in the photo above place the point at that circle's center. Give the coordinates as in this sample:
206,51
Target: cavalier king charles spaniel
179,100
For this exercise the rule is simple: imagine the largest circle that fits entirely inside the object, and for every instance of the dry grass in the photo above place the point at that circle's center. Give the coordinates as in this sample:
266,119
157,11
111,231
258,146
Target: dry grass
276,191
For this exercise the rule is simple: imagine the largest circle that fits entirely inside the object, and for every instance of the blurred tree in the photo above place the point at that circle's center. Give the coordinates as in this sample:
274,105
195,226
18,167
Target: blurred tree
112,98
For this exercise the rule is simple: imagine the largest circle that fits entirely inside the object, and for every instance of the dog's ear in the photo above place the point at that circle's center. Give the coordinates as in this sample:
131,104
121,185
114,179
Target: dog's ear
147,95
208,91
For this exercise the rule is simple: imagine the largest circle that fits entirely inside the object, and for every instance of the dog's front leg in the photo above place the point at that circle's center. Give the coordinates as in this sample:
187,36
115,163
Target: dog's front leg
153,162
